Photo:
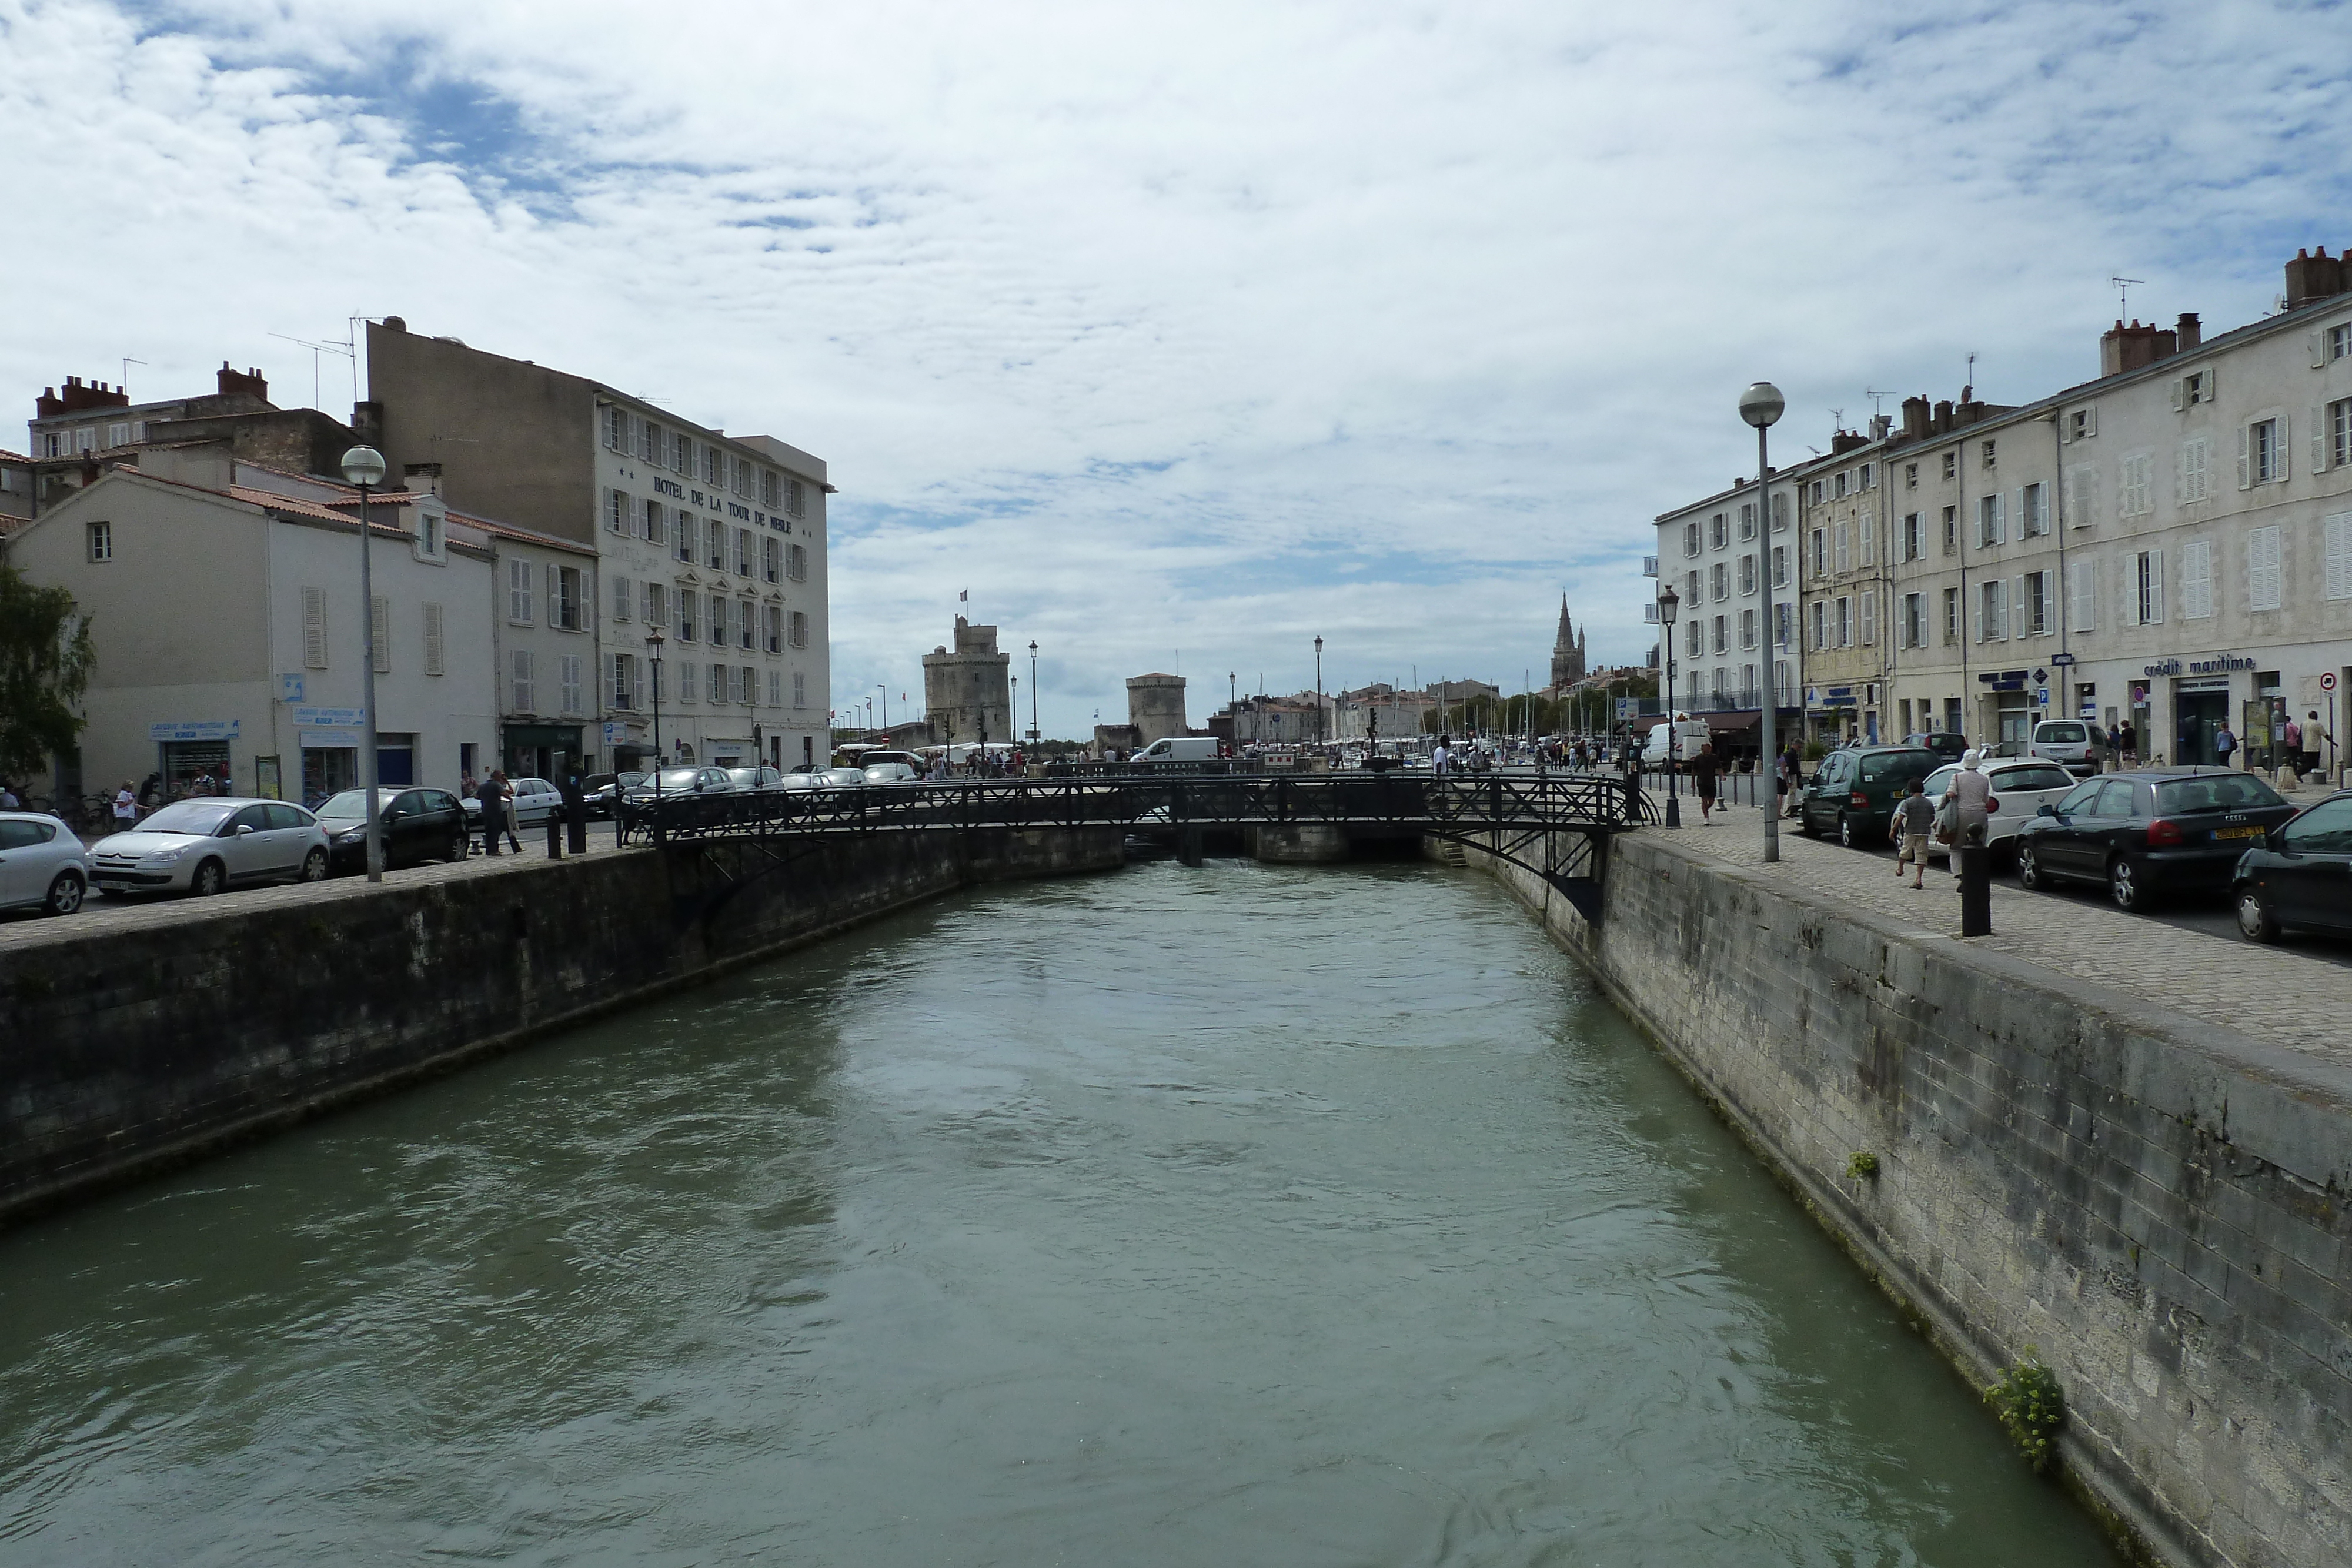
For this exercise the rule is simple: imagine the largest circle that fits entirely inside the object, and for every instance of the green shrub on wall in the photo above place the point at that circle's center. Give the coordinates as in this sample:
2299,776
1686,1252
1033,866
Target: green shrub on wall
2033,1408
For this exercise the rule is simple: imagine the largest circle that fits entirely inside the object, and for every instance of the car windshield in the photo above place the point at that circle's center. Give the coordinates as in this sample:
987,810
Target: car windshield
2032,776
1895,765
350,803
1940,780
2218,792
2064,734
193,818
674,778
844,776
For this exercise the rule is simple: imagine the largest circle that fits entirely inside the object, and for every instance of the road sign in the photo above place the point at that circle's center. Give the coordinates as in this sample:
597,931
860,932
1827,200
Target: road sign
1628,707
2041,677
2042,696
2328,681
2062,659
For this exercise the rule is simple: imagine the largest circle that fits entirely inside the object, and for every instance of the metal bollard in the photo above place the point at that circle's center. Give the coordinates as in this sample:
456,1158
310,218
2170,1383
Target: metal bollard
554,836
1975,888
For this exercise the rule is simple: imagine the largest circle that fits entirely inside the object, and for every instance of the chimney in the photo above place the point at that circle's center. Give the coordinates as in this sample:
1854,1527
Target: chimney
2136,347
1880,425
2312,278
248,384
2187,333
1845,441
1915,418
394,324
1943,416
367,424
75,398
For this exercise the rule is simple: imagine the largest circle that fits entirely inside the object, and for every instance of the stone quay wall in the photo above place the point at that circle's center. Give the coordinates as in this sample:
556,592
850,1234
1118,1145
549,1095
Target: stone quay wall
2161,1207
128,1051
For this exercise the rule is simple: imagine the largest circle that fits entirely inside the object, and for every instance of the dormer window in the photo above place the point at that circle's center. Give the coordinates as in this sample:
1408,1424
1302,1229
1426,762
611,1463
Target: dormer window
432,519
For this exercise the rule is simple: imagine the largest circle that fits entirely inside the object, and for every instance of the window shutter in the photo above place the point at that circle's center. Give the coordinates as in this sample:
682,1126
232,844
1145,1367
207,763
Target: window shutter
554,587
314,628
2319,344
2318,443
2336,544
2084,597
2284,444
433,639
2156,587
380,627
2179,393
2245,463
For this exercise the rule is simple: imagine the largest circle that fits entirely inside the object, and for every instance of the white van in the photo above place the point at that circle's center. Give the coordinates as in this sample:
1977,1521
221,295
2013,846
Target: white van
1693,734
1178,749
2067,741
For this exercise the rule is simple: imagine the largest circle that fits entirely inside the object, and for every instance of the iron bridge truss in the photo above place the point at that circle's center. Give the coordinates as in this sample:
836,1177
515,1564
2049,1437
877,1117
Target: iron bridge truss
1555,825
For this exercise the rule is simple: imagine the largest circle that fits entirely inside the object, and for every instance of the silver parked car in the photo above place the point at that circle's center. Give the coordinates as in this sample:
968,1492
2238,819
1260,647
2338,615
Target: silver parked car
892,773
208,844
760,781
41,863
535,800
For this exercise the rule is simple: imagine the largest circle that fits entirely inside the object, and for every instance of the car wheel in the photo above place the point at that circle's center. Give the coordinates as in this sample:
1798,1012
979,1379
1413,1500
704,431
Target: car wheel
458,844
65,894
2255,921
211,877
2124,885
314,866
1846,835
2029,868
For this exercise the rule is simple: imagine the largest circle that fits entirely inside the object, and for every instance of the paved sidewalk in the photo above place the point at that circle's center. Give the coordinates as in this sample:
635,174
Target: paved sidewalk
2278,995
100,915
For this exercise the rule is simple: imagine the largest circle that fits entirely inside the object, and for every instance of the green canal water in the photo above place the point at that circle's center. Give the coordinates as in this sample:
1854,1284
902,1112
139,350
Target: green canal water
1233,1216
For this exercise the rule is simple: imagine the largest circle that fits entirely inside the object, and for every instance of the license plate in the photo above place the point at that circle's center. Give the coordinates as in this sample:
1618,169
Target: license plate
2237,833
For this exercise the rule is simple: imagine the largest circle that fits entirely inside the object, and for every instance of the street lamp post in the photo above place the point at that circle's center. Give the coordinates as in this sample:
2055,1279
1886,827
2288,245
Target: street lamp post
654,640
1762,406
884,687
1319,691
1034,734
363,467
1668,602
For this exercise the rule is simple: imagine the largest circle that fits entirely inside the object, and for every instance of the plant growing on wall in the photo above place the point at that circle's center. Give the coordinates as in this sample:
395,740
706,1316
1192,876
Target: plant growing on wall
2033,1408
1862,1165
45,662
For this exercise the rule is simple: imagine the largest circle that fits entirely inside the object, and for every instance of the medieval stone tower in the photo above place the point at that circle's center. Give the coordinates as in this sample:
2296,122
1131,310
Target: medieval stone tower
1567,652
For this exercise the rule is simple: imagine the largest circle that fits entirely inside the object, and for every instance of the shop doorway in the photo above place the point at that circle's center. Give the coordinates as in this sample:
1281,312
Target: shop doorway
2016,725
185,762
328,769
2199,709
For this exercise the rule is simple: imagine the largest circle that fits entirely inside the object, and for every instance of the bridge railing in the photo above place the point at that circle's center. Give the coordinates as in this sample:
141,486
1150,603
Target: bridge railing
1587,802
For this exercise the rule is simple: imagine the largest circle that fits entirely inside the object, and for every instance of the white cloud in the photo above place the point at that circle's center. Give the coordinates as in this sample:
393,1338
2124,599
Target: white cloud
1209,327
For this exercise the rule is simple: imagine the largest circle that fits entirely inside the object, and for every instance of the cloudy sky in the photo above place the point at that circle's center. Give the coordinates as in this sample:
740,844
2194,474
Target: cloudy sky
1179,335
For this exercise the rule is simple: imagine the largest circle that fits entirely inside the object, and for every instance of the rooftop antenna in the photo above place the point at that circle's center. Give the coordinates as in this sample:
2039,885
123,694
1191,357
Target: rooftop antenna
123,385
2123,294
329,347
1968,387
1873,397
1837,419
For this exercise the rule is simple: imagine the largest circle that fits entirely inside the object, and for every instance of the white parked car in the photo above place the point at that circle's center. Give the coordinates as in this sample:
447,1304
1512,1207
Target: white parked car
892,773
41,863
535,800
2071,743
2022,784
209,844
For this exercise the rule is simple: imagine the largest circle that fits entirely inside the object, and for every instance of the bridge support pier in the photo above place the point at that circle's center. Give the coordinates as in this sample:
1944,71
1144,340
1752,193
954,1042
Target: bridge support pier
1187,844
1296,843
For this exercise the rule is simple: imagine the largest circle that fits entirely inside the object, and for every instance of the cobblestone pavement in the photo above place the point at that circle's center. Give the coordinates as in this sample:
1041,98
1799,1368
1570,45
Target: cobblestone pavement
2275,994
99,915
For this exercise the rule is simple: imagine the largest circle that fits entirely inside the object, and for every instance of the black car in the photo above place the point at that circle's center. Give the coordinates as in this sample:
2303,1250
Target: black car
2150,830
601,789
1942,742
418,825
1854,792
2300,875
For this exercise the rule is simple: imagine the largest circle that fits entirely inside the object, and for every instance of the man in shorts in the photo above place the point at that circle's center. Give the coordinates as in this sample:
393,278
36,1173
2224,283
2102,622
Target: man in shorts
1915,819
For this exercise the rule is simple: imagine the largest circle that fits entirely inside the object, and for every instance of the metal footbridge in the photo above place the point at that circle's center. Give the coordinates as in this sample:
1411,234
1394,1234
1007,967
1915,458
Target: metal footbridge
1556,825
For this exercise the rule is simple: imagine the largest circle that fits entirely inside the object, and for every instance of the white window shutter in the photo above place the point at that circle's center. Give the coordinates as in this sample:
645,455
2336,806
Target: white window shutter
380,626
554,586
314,628
2318,443
2245,462
2337,547
2285,445
2318,344
2179,393
2156,587
2091,421
2018,624
433,639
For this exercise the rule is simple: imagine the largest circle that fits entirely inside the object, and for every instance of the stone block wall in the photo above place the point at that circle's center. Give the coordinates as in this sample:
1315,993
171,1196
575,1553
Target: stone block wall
2158,1205
128,1048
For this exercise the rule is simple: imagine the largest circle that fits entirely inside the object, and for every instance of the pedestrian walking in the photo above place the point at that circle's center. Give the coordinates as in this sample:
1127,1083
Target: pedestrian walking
8,801
1790,771
1970,793
1438,756
1703,770
126,808
2224,744
492,797
1915,819
2127,745
2314,737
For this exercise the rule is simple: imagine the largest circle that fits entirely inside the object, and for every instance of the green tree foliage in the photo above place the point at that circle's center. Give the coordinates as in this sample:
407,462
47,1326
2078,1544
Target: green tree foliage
46,658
